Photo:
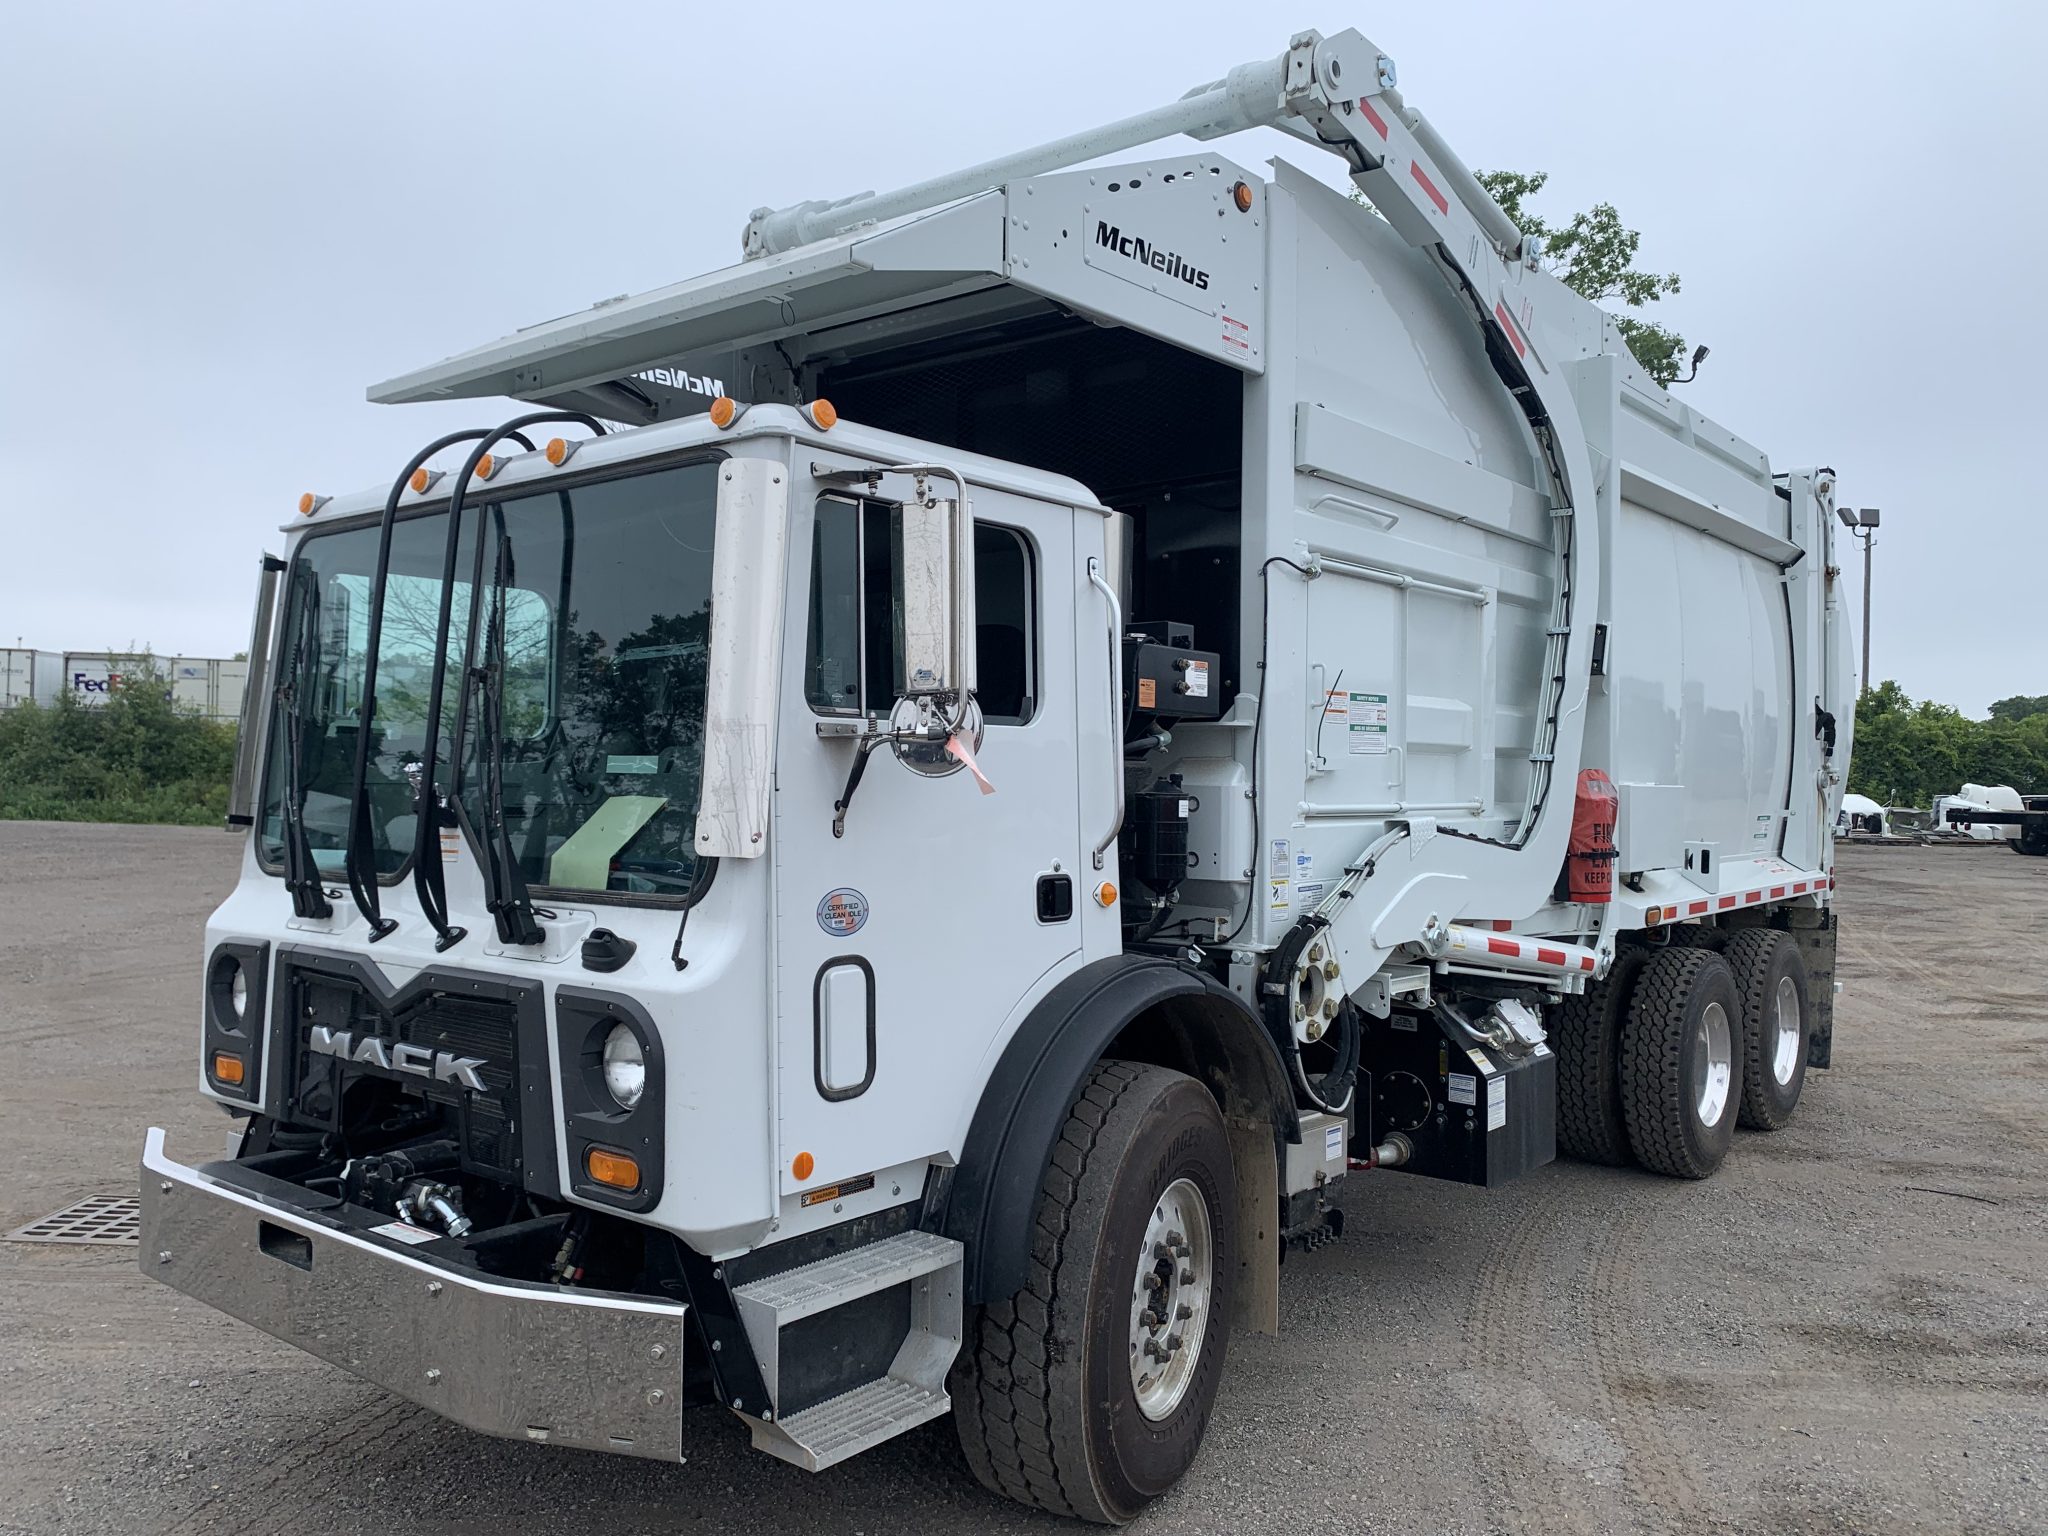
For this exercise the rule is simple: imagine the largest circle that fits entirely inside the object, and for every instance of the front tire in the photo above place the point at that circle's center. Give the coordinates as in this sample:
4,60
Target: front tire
1088,1392
1681,1063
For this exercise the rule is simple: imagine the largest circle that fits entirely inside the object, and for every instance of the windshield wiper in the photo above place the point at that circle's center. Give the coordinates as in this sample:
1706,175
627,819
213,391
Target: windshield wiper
360,858
430,812
301,871
509,902
506,898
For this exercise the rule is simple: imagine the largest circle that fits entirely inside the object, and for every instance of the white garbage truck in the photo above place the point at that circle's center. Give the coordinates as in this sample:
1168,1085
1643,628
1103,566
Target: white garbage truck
895,840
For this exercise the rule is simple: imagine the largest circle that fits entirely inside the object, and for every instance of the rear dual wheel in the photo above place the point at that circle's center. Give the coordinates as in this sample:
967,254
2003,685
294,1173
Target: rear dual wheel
1770,979
1681,1062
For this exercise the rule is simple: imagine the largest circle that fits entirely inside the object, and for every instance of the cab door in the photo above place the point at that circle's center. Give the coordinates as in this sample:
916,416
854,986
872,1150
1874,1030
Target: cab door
908,940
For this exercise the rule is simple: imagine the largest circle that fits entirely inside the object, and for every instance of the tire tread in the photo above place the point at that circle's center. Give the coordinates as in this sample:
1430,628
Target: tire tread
1004,1405
1750,954
1651,1043
1585,1032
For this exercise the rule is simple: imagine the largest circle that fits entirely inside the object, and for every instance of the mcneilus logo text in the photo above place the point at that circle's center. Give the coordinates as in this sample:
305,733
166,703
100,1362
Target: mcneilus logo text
1146,254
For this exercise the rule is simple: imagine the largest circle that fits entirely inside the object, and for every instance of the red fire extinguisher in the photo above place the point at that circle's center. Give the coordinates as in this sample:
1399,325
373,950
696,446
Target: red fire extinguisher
1589,860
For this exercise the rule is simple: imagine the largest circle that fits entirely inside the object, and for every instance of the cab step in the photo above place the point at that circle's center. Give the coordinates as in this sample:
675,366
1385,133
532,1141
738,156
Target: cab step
854,1348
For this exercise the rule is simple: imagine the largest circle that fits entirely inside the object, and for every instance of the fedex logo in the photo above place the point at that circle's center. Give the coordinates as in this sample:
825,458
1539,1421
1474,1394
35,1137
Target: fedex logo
81,683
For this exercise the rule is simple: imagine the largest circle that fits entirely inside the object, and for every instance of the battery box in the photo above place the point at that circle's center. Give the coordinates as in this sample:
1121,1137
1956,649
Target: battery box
1166,678
1472,1115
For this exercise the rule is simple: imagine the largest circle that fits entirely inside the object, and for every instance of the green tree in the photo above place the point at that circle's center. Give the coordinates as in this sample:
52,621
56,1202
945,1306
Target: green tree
1594,255
1908,752
2021,706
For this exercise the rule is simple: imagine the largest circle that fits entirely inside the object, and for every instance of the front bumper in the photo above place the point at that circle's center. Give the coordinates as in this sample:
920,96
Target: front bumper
527,1362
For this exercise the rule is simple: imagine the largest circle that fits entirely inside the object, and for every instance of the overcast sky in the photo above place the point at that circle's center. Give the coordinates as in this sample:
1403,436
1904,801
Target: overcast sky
219,224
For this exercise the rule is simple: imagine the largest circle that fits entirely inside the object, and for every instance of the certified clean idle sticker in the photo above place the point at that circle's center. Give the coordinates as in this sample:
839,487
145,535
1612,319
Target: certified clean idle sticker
843,913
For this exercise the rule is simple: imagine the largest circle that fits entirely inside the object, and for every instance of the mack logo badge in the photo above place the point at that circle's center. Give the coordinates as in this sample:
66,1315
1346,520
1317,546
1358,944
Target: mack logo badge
1146,254
397,1056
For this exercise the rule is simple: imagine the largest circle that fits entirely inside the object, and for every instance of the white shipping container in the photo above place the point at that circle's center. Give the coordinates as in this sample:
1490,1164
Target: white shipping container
29,675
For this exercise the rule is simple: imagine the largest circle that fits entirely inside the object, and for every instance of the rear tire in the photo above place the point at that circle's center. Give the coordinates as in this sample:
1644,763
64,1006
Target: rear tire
1056,1402
1770,979
1681,1063
1701,936
1585,1032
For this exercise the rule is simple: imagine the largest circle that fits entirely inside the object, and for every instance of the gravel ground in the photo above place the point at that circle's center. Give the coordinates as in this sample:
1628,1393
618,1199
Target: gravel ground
1845,1330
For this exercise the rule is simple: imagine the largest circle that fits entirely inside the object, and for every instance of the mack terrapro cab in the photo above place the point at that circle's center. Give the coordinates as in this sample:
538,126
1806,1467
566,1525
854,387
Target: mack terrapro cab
884,846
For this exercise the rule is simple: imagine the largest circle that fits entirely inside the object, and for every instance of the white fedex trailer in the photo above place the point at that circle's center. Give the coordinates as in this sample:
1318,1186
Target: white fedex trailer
853,911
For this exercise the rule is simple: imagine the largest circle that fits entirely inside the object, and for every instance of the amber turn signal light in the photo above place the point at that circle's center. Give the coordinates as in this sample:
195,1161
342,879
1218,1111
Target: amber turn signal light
614,1170
724,412
310,503
228,1068
822,415
803,1165
1241,194
559,449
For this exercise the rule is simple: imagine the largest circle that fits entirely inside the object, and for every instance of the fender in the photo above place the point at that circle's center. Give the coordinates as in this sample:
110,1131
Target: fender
994,1194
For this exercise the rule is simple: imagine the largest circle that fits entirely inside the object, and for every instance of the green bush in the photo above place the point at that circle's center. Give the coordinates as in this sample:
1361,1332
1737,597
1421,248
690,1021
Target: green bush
135,758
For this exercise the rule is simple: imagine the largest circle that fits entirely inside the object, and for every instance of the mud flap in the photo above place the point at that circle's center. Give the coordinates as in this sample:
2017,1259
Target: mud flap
1813,929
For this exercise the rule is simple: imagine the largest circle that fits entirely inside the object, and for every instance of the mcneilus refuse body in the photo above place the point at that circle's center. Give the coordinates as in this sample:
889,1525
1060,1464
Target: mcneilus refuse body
882,849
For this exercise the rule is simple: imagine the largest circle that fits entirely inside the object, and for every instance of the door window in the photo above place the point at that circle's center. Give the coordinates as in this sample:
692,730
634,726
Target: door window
853,663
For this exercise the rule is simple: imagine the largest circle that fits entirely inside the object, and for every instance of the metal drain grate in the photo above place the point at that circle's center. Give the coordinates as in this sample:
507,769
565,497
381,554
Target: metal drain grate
95,1219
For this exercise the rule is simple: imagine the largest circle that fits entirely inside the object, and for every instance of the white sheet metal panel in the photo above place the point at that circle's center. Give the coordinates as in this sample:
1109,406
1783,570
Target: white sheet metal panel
1156,245
1697,667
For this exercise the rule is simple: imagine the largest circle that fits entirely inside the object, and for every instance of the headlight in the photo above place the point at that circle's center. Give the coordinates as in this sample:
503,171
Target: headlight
625,1068
238,993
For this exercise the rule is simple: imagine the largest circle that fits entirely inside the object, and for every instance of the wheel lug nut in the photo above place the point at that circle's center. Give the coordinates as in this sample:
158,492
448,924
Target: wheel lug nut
1149,1318
1173,1342
1187,1277
1183,1312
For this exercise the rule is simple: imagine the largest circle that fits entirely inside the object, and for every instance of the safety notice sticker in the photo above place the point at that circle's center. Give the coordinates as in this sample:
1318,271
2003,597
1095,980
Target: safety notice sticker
1496,1103
1366,718
1464,1088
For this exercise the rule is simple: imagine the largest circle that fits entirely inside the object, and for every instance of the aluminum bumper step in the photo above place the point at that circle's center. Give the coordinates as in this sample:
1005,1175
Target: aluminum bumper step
911,1390
604,1373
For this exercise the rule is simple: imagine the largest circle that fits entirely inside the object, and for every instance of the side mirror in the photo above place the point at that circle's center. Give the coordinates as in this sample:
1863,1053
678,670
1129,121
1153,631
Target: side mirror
938,599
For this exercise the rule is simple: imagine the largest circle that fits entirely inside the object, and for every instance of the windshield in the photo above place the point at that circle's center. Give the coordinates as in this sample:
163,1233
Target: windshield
607,609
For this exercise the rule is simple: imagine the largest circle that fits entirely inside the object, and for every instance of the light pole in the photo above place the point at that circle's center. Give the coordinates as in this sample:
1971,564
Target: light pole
1863,524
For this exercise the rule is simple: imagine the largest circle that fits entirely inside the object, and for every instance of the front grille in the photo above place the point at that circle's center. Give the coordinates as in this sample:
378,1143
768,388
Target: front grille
455,1025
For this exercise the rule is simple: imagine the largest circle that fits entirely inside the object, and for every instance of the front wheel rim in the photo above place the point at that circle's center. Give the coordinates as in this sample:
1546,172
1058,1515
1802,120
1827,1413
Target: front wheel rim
1785,1048
1171,1298
1713,1064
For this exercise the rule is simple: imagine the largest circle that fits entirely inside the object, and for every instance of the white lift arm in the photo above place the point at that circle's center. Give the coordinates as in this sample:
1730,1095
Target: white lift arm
1315,76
